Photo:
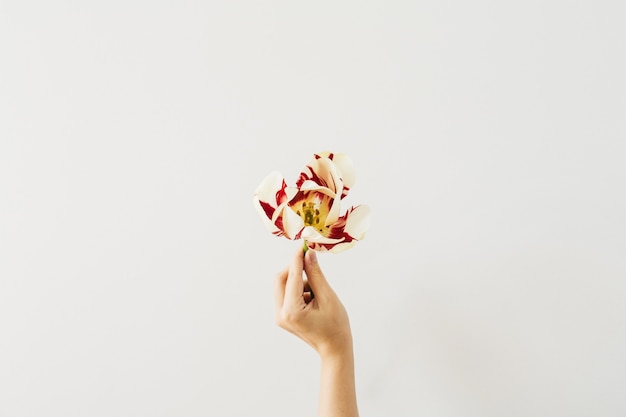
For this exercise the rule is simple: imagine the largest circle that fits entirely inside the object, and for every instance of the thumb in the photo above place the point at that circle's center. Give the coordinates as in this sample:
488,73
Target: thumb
315,276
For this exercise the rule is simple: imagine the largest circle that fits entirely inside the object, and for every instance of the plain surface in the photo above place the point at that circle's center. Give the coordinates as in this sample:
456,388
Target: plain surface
488,139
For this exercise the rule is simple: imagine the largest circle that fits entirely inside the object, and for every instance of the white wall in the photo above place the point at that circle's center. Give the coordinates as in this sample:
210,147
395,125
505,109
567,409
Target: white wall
488,138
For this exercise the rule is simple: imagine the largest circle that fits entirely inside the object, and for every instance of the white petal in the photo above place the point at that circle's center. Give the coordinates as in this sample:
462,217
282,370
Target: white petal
340,247
268,222
279,212
267,189
309,185
310,234
291,192
333,213
358,222
346,168
292,223
316,246
328,172
324,154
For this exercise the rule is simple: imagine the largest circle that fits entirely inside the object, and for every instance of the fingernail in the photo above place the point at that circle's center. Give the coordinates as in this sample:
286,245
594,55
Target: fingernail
313,256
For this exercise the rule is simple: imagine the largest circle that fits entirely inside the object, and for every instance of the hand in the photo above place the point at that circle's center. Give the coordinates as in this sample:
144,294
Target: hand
310,309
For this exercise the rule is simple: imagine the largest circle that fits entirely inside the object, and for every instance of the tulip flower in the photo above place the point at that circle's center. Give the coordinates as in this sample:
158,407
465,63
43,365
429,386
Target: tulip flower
311,209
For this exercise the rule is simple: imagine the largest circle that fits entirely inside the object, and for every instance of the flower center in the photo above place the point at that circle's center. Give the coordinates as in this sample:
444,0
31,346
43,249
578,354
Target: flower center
309,213
313,211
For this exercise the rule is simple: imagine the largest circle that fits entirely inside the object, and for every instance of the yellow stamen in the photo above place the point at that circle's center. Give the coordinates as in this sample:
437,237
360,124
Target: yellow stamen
314,212
309,214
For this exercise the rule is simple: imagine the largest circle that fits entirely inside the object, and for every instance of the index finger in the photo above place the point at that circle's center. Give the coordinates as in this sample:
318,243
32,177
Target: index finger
295,285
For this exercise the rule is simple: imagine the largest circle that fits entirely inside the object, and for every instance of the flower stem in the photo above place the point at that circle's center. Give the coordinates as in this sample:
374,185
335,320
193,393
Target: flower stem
304,246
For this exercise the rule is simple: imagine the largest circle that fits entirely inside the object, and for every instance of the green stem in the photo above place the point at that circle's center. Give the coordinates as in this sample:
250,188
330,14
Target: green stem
304,246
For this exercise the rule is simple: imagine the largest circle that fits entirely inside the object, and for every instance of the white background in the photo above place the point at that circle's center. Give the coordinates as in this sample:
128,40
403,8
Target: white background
488,138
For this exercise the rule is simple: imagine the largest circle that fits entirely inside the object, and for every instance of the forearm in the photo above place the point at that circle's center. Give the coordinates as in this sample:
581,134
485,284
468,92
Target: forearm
337,390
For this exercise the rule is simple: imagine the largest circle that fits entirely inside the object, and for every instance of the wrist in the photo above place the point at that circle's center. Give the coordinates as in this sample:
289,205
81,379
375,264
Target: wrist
338,350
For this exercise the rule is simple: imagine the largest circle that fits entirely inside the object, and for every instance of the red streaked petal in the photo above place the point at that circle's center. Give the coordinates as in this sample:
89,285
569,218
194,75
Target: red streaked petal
291,192
267,208
352,225
358,222
331,247
346,169
325,154
317,247
322,171
333,213
309,185
271,189
310,234
264,212
292,223
340,247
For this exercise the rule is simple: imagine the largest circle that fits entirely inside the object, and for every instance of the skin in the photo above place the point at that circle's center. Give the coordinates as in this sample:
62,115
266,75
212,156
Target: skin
310,309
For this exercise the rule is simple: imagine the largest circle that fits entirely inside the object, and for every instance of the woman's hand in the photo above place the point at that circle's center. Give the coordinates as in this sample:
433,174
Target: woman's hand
310,309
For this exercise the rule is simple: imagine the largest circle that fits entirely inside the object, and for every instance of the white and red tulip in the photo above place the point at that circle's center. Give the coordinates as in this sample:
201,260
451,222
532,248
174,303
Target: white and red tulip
311,209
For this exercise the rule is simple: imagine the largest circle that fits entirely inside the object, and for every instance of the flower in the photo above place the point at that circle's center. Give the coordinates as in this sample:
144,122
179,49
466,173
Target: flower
311,209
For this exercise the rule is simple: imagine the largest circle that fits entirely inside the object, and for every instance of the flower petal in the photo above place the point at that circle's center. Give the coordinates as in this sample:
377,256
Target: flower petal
358,222
263,208
346,169
334,248
269,196
290,193
269,187
333,213
322,171
318,247
350,227
310,234
292,223
310,185
340,247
